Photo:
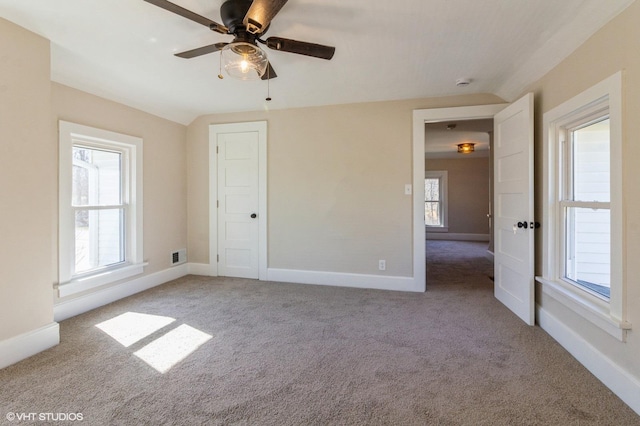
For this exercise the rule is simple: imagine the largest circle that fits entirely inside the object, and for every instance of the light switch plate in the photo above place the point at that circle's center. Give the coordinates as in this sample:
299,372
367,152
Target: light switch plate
407,189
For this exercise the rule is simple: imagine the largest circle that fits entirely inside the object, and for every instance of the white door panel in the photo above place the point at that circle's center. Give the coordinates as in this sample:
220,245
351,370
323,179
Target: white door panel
513,189
238,197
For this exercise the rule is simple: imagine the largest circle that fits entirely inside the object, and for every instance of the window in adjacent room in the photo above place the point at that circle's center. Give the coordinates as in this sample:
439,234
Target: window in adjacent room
435,200
100,207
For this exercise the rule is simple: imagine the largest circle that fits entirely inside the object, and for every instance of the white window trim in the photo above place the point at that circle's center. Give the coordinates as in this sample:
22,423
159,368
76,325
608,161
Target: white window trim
443,175
69,134
610,316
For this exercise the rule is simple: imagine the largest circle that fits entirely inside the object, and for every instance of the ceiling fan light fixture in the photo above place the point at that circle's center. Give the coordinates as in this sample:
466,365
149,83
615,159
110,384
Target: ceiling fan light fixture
466,148
244,61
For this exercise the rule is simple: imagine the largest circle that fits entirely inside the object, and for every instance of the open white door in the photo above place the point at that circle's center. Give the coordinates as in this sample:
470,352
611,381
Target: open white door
514,221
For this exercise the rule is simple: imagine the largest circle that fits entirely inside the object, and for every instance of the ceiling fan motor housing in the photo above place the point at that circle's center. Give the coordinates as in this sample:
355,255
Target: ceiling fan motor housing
233,12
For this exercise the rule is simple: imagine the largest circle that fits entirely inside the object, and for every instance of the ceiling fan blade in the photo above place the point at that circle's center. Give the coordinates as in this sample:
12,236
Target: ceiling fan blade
201,51
261,13
270,73
301,47
214,26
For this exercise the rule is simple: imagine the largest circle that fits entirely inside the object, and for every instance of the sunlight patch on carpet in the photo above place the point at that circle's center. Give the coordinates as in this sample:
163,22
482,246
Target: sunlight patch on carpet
168,350
132,327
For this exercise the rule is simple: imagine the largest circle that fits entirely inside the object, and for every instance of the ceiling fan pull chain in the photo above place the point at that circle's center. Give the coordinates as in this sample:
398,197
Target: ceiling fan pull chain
268,98
220,76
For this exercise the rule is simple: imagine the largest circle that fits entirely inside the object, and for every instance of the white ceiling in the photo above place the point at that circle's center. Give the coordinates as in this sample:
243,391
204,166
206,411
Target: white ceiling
385,50
440,141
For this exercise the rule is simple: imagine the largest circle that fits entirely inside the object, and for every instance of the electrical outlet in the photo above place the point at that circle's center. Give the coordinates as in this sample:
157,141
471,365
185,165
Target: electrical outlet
382,265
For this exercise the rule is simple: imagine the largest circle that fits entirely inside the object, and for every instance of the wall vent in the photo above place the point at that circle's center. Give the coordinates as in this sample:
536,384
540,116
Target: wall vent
178,257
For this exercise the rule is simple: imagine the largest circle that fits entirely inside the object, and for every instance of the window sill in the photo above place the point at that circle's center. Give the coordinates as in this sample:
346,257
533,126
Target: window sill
436,228
90,282
594,311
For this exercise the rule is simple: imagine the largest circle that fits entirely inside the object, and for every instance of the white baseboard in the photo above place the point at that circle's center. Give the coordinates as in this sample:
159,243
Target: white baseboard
490,255
76,306
199,269
379,282
28,344
456,237
626,386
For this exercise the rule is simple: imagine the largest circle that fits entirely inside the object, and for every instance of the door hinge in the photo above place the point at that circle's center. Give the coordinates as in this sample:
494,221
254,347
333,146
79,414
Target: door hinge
217,149
217,203
218,258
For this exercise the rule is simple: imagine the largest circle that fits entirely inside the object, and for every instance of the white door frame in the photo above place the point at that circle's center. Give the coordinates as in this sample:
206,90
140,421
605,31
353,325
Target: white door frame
420,117
214,129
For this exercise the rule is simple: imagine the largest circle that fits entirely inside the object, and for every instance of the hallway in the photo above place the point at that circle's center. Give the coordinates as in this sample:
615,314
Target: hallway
458,264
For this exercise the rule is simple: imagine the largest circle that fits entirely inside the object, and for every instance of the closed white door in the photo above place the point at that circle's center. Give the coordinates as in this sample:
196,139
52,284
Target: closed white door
513,215
238,203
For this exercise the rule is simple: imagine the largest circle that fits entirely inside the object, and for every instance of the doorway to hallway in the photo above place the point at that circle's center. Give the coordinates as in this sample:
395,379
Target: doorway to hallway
458,265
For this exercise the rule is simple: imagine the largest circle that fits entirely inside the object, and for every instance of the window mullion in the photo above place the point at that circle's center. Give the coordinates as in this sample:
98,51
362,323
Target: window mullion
99,207
595,205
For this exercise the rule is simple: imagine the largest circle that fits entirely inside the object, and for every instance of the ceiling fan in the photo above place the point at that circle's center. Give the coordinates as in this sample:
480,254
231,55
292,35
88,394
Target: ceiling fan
247,21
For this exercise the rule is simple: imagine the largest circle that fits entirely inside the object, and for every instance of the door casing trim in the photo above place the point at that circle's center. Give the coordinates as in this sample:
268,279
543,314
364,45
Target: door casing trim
420,117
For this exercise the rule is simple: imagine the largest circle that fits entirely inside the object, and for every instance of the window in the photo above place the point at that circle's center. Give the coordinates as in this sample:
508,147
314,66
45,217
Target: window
585,202
100,207
582,229
96,198
435,200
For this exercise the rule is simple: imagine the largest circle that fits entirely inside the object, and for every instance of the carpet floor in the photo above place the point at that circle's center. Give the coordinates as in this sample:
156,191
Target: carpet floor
202,350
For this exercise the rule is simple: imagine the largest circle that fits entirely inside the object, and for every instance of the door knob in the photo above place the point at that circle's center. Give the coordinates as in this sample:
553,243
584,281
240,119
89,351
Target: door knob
525,225
253,215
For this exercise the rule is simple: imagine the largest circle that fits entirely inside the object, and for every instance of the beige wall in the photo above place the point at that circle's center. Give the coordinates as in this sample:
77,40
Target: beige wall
336,179
28,179
30,106
613,48
468,193
165,166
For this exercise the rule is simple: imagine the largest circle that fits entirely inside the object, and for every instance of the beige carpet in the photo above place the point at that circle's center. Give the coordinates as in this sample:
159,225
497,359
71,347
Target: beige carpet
285,354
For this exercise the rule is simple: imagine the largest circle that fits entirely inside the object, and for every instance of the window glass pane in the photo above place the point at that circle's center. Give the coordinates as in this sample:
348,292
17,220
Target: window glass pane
432,213
591,162
588,248
432,189
97,177
98,238
432,202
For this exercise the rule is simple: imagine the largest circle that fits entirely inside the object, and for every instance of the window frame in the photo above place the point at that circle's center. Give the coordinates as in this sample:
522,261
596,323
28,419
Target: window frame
70,135
608,315
595,112
122,205
443,177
